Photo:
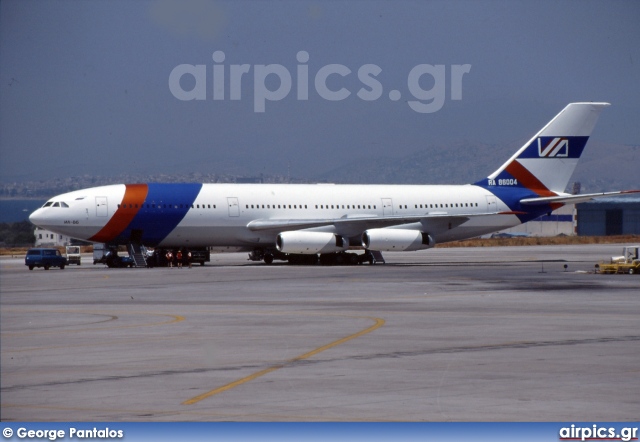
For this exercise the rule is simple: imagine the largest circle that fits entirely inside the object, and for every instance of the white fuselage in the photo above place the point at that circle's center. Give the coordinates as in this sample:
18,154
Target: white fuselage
221,215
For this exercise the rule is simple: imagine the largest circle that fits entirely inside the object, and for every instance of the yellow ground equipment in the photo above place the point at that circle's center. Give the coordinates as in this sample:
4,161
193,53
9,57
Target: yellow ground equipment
629,262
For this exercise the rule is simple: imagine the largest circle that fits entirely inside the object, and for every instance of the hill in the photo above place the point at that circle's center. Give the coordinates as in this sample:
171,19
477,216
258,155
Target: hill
604,166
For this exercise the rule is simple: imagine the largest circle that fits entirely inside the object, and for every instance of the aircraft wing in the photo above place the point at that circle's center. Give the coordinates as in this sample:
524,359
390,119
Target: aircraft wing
573,198
365,221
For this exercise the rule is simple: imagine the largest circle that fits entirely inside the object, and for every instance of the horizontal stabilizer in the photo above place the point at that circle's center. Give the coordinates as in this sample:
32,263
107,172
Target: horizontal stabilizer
573,198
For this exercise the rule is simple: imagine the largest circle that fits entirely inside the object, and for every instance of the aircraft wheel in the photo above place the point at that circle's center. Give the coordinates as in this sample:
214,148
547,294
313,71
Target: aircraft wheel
268,258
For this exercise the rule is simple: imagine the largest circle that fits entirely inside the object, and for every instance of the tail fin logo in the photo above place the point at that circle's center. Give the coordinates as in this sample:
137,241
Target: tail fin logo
557,147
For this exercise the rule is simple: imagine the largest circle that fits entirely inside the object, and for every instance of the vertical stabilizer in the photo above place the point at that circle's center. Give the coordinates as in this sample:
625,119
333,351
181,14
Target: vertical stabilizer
545,163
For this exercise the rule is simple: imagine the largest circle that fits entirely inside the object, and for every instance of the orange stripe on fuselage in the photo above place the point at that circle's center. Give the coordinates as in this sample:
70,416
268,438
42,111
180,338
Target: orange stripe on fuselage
134,196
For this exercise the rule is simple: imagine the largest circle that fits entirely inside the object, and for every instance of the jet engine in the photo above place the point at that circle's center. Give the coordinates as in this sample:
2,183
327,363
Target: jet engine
390,240
310,242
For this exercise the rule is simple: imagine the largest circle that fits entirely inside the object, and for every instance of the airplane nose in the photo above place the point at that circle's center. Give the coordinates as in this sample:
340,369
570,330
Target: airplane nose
36,217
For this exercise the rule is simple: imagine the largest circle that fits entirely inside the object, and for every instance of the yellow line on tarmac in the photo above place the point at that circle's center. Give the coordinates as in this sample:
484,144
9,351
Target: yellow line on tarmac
114,316
378,323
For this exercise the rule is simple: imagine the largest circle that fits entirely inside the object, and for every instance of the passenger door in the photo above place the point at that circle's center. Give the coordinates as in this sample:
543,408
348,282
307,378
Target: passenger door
234,207
101,206
387,207
491,204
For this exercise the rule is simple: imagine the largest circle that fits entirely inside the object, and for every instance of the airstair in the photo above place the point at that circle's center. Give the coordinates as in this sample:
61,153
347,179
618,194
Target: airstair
137,253
377,257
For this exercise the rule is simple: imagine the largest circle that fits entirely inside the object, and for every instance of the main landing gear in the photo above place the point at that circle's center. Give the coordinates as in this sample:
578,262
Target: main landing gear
331,259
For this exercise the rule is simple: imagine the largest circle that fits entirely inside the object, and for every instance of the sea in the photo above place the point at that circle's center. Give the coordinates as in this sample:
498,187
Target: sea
12,211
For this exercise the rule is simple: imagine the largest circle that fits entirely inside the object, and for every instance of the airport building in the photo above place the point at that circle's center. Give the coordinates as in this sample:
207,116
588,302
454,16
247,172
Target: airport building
609,216
46,238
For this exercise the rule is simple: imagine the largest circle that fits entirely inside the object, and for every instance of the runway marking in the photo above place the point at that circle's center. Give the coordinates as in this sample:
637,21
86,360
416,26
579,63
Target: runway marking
113,316
378,323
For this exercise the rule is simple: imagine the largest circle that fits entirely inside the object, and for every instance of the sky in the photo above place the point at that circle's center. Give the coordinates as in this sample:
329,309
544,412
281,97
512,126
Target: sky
298,87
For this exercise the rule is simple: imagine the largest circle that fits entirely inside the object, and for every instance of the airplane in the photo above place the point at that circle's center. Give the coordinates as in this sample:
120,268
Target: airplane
302,223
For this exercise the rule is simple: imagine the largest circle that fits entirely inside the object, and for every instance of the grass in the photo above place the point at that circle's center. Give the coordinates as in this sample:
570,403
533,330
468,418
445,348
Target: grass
543,241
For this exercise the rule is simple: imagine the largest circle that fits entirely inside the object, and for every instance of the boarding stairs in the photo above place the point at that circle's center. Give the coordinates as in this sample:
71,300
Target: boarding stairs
137,253
377,257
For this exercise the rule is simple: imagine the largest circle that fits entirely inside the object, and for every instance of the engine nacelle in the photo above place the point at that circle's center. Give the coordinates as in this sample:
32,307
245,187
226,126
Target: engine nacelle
308,243
390,240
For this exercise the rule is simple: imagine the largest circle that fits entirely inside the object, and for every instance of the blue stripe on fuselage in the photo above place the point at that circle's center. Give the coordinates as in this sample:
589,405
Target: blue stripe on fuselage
163,209
512,195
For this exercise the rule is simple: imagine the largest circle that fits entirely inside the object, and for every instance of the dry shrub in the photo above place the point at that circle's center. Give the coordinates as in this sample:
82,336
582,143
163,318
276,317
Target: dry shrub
542,241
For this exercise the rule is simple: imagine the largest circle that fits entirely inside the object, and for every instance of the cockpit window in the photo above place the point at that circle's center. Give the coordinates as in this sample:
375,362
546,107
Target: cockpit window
57,204
48,203
81,198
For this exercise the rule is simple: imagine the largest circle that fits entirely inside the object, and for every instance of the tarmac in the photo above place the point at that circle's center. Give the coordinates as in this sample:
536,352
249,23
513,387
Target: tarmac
460,334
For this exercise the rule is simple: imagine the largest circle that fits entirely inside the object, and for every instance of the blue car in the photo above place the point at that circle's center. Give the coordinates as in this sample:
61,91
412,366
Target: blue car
46,258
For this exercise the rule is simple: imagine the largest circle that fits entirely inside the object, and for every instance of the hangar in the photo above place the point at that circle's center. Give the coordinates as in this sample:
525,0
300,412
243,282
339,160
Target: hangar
609,216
